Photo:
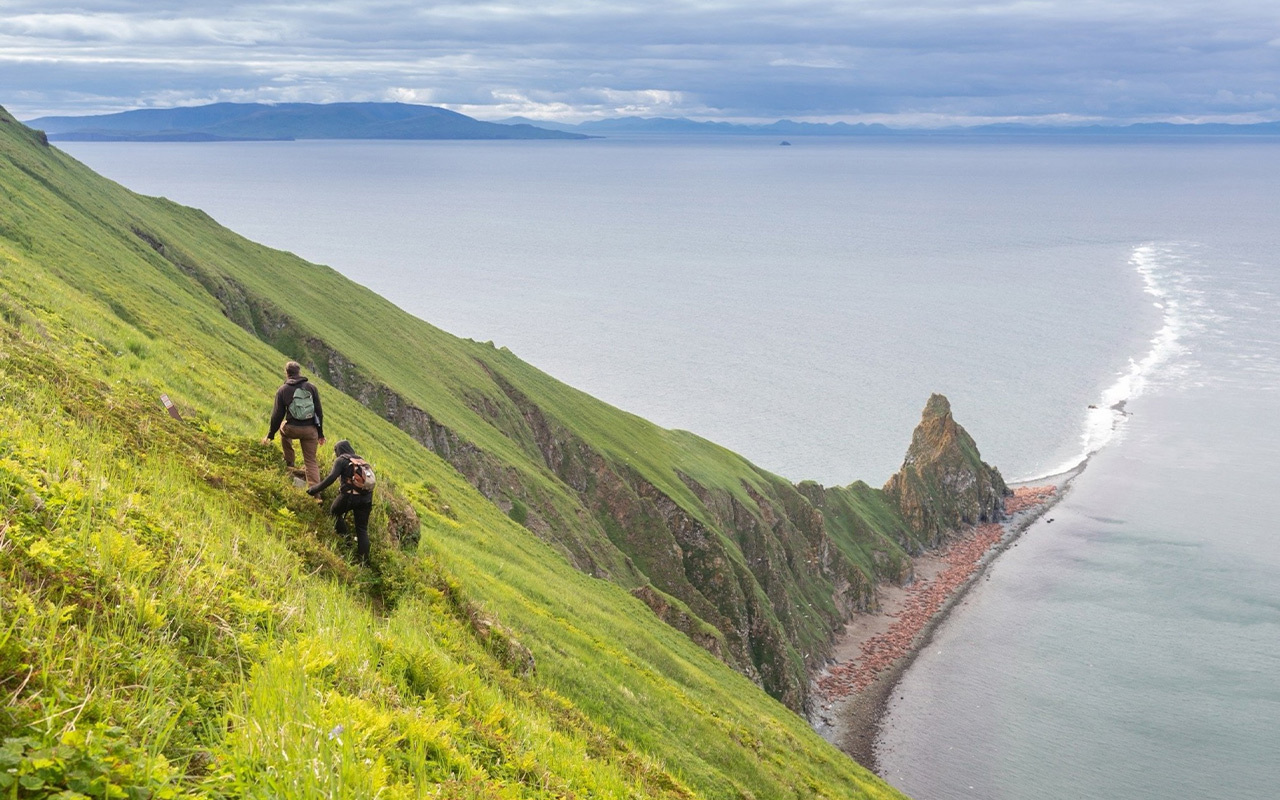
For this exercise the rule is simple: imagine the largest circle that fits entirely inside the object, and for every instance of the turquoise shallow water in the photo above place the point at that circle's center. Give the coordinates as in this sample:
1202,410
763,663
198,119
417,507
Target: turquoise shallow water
799,304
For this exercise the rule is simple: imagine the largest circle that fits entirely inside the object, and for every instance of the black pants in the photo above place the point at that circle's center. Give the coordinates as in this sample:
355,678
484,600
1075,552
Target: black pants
360,505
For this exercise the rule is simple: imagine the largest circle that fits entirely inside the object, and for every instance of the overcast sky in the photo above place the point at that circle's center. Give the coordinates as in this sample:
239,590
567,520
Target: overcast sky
905,62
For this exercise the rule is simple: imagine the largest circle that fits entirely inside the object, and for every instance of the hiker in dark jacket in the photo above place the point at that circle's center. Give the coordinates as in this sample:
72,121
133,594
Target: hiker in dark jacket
297,415
350,497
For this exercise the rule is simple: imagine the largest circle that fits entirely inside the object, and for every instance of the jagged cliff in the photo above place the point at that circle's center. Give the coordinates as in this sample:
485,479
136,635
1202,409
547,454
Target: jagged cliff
944,483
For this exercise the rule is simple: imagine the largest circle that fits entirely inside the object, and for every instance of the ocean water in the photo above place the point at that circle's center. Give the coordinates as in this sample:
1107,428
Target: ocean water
1130,648
795,304
799,304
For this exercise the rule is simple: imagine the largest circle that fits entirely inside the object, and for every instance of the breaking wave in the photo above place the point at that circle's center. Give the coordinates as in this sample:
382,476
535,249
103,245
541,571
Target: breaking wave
1157,265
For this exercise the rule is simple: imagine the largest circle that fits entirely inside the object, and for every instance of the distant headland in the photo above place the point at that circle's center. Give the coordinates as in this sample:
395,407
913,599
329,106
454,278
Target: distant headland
285,121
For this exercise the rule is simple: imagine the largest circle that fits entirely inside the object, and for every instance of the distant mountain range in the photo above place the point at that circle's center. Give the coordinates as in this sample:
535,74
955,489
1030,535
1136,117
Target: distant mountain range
786,127
1137,129
255,121
681,125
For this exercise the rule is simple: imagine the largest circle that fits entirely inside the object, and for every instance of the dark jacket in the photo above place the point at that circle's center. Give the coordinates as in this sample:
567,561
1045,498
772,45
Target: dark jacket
284,396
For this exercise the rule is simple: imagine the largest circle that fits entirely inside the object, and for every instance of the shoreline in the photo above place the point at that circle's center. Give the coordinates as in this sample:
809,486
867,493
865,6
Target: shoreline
874,650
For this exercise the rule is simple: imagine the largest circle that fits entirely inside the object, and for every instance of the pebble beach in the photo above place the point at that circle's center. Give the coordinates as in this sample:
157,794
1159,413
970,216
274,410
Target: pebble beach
874,649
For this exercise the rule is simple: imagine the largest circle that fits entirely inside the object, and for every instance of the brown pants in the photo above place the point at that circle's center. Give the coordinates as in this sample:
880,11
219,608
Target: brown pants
309,440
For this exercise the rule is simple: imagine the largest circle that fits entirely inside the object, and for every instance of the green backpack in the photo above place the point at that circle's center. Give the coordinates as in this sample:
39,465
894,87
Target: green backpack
303,406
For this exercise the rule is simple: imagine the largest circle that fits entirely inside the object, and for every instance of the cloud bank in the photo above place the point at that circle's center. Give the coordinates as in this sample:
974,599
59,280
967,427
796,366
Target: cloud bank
924,62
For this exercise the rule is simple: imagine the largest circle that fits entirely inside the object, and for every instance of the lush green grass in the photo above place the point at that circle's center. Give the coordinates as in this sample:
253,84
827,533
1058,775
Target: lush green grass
176,617
167,591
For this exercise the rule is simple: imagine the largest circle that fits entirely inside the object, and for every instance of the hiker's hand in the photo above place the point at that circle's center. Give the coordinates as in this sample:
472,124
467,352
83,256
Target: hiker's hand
321,440
266,440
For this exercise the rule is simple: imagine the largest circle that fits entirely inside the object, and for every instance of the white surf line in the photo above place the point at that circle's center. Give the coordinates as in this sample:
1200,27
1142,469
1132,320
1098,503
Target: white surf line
1105,419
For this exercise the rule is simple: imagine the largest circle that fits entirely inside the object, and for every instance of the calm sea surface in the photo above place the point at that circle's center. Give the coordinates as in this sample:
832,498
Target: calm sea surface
798,304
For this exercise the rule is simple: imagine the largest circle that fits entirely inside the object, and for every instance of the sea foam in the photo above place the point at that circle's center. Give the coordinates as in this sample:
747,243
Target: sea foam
1104,421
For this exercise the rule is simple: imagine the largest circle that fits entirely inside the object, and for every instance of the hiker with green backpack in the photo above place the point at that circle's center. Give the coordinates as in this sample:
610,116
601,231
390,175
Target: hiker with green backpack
355,495
297,416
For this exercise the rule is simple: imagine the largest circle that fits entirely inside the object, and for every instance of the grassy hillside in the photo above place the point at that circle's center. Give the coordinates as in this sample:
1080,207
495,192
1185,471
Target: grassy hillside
176,620
747,558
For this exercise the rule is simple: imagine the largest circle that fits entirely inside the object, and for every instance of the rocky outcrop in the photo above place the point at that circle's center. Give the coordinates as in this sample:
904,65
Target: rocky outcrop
944,484
869,531
678,616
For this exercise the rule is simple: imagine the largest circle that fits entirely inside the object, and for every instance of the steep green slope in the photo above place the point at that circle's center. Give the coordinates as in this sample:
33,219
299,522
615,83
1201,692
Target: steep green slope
175,617
739,548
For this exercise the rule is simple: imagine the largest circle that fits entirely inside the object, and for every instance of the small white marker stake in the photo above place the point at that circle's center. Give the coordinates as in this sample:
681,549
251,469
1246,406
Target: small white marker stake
170,407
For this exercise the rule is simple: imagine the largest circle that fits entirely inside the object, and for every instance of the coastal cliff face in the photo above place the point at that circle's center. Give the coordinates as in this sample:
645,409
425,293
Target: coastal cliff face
944,484
758,572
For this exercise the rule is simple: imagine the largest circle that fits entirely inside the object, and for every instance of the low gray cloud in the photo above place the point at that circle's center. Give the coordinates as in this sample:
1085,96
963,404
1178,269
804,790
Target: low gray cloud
927,61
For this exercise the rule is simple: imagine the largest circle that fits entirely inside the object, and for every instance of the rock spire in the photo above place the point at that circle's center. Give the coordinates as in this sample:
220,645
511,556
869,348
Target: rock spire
944,483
